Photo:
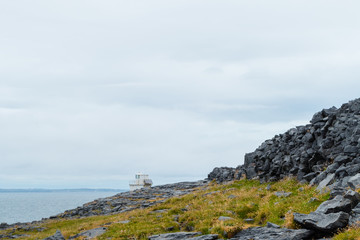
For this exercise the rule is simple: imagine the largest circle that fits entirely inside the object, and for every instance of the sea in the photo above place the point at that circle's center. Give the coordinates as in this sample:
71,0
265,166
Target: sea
32,205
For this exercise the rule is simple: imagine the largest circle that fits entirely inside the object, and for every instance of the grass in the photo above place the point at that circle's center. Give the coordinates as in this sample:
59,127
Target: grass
200,211
351,233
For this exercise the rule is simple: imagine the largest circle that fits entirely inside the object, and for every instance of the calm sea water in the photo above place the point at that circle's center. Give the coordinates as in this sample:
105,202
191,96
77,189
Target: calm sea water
30,206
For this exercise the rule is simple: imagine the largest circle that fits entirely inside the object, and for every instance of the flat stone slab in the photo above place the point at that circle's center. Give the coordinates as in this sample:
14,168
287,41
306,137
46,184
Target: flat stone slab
337,204
282,194
261,233
183,235
90,234
272,225
223,218
327,223
327,181
174,236
206,237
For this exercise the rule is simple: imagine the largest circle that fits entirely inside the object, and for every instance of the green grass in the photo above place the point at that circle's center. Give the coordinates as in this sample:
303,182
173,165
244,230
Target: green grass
200,210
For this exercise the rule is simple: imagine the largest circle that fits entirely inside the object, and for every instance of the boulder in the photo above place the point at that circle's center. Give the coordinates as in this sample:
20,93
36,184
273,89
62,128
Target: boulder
337,204
353,196
249,220
327,223
332,168
56,236
355,216
327,181
261,233
341,159
354,182
337,191
222,174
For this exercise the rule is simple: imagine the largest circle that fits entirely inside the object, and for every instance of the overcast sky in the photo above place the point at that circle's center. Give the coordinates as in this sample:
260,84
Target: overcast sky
93,91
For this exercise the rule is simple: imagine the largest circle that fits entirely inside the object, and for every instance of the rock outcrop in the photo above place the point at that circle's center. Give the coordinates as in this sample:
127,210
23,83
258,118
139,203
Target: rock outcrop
325,152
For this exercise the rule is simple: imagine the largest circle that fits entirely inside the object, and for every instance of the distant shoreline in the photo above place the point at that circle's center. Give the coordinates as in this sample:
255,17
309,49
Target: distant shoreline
40,190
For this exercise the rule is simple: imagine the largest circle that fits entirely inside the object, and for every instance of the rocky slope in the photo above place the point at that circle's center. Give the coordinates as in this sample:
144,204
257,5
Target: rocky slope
327,148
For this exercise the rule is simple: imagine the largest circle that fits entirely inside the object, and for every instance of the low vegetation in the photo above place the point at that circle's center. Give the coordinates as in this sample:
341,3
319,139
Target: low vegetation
245,203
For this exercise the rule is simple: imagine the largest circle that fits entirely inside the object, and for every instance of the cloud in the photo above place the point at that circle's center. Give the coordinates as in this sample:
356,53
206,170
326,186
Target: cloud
91,92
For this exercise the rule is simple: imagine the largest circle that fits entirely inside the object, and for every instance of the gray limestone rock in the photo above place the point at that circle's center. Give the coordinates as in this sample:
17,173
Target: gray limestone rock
222,218
333,167
13,236
337,204
341,159
327,223
354,182
327,181
337,191
183,235
90,234
124,222
206,237
328,145
261,233
355,216
56,236
222,174
282,194
272,225
353,196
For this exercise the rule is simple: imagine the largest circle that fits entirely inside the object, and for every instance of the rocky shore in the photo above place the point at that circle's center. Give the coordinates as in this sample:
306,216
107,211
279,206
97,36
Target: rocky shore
128,201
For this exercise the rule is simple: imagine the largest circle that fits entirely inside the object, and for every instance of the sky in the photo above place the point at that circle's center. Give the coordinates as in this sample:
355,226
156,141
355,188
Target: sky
92,92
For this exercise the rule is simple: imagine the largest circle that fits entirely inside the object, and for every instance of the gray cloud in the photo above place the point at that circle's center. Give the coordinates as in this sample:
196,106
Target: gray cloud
92,92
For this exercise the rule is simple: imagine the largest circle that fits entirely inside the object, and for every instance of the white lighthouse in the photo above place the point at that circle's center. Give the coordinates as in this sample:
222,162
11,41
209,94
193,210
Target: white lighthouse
141,181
